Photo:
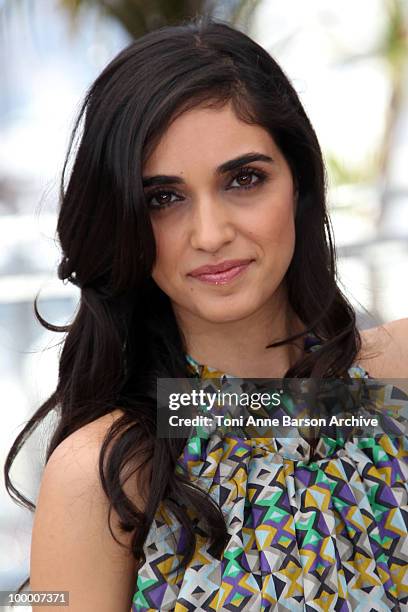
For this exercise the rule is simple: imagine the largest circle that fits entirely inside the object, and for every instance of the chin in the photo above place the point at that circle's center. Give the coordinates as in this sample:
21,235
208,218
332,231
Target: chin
225,313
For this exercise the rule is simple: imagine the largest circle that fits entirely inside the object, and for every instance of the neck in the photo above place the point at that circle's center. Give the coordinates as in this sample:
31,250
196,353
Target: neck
239,347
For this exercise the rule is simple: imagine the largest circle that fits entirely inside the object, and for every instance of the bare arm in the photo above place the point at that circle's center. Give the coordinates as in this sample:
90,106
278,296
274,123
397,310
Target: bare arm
385,350
72,548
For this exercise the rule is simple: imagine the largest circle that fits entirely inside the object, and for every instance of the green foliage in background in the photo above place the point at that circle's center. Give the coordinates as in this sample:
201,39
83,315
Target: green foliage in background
140,16
392,50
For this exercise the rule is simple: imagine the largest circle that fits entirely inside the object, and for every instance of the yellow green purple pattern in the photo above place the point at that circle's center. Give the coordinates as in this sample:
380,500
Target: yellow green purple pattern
324,534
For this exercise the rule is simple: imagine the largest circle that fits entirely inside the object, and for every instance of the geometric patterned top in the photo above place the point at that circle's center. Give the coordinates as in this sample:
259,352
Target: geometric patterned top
328,532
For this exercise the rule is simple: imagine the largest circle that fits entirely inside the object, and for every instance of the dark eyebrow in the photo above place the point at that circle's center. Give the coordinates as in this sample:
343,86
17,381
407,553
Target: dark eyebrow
242,160
227,166
161,179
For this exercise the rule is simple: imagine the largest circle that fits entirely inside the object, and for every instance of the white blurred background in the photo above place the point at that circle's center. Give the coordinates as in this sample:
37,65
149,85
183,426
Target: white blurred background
348,62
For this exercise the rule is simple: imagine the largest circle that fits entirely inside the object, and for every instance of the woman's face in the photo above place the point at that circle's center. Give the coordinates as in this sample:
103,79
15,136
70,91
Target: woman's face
219,190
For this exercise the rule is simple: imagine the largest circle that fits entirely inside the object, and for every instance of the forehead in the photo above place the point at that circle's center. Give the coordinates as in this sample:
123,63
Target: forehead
207,137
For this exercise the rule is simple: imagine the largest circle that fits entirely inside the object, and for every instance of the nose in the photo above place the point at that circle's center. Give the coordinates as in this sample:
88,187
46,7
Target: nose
212,225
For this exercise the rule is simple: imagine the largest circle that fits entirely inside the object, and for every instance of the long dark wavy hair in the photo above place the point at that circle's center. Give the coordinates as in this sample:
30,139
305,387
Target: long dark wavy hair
124,333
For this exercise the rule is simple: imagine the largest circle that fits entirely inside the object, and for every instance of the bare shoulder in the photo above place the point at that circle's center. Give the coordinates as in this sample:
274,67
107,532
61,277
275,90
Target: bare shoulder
72,548
384,350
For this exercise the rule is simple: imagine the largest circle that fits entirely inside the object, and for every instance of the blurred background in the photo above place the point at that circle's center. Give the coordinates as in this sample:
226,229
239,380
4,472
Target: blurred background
348,63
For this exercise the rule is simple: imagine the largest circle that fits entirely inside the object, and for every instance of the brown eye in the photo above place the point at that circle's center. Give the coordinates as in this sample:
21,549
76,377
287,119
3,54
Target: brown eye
247,178
162,198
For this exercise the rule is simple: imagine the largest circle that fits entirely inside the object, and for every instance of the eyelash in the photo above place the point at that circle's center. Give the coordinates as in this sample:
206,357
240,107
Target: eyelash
261,176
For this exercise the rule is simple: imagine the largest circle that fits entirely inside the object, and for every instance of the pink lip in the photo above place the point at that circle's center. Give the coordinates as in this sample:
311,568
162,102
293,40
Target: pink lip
224,276
221,267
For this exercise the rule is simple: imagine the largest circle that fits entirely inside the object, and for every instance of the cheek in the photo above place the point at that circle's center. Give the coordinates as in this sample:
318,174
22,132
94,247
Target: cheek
168,247
275,227
160,240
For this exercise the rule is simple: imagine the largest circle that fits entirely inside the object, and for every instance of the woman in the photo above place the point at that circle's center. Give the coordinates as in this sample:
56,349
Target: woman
194,222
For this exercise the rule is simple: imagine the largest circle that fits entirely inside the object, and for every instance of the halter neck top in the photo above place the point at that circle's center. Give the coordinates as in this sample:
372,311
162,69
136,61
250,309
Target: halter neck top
328,532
